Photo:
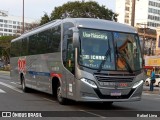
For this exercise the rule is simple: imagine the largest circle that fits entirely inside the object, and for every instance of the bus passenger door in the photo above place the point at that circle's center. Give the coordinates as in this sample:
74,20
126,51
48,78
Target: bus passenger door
69,63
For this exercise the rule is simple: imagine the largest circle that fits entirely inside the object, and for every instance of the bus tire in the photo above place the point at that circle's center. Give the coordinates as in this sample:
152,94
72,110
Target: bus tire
147,83
24,88
60,99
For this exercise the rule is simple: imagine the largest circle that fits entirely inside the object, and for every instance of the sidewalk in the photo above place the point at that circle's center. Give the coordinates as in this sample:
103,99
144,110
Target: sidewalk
152,92
155,91
6,72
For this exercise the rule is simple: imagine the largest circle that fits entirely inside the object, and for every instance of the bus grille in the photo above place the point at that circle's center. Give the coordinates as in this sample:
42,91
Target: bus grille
114,77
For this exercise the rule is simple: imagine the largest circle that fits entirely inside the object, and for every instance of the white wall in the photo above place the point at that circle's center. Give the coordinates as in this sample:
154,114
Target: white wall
120,10
11,26
141,12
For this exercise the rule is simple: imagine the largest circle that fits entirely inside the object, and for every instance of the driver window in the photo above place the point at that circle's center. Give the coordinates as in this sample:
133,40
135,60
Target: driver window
70,56
68,51
69,64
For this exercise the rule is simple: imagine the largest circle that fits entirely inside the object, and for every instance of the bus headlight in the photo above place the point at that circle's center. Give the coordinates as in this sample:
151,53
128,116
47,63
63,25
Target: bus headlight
89,82
137,84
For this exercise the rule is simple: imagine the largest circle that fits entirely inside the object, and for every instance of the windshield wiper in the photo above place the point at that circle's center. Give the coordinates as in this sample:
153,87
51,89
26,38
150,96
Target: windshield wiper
103,62
108,52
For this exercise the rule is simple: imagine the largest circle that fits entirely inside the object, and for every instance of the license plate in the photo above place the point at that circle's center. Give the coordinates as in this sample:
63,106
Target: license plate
115,93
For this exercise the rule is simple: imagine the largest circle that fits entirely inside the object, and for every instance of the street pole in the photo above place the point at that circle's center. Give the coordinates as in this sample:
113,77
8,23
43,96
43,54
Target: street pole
133,12
144,33
23,19
144,38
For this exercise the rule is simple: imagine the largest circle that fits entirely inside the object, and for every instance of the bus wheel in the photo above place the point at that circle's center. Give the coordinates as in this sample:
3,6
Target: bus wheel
60,99
24,88
147,83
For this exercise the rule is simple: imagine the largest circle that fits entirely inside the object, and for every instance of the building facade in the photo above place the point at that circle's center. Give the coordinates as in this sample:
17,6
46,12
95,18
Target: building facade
12,25
147,19
158,42
147,12
124,10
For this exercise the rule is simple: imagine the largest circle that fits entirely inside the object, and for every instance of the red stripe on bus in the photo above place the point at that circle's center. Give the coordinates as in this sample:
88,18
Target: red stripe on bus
56,75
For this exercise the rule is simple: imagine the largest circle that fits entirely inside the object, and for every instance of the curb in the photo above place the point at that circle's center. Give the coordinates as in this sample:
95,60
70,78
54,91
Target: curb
7,72
152,92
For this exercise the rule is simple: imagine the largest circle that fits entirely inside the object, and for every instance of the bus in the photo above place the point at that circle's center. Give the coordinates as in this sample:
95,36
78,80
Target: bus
80,59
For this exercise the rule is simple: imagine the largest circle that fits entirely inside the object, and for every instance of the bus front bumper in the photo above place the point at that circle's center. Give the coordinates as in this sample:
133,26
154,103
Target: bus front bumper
90,94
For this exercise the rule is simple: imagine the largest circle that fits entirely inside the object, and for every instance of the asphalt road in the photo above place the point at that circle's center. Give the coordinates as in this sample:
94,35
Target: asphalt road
12,99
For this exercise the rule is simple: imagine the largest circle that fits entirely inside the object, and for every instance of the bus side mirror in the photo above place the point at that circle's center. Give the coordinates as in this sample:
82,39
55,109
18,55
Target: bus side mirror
75,37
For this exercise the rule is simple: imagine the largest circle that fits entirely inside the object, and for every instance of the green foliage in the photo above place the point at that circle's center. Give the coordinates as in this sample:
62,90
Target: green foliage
83,9
44,19
5,47
79,9
89,9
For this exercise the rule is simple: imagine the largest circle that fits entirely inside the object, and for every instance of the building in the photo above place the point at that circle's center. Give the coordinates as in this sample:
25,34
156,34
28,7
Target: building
158,42
147,12
12,25
124,10
147,19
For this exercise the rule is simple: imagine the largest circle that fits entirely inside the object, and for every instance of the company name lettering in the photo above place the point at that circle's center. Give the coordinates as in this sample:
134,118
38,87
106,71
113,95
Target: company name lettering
94,35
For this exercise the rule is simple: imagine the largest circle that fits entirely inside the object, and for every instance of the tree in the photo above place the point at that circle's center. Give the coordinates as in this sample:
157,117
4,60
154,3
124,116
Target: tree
89,9
31,26
77,9
44,19
5,47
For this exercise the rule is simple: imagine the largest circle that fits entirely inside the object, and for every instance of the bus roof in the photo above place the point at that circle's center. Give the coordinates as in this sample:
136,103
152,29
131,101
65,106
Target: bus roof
86,23
102,24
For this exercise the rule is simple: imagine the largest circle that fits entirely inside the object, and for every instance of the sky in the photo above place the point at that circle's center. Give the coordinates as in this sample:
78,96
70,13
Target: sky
36,8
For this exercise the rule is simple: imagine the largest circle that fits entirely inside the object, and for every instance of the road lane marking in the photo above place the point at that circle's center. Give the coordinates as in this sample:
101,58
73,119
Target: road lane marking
93,114
11,87
49,100
14,83
1,91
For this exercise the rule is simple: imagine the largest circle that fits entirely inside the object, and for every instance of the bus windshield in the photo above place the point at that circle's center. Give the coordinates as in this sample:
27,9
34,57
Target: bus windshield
106,50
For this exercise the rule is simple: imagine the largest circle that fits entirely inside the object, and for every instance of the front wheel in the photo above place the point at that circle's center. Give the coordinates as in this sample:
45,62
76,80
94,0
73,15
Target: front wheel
159,84
24,88
147,83
60,99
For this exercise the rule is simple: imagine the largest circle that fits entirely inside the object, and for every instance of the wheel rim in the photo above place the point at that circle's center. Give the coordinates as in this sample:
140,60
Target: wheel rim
147,83
59,94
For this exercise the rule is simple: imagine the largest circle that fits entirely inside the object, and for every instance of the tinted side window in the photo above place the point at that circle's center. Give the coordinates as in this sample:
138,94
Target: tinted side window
46,41
16,48
12,52
55,39
24,47
32,45
41,44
